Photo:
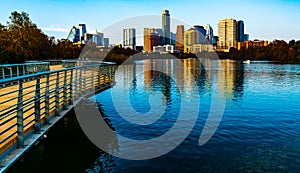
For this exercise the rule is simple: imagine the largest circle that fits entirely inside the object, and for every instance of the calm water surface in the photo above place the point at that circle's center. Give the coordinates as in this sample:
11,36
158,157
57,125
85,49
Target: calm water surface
259,131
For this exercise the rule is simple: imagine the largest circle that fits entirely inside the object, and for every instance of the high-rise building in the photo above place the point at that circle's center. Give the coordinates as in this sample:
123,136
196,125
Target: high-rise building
151,38
227,34
129,38
240,31
202,33
191,36
98,38
246,37
82,31
106,42
166,27
74,35
210,34
180,37
173,38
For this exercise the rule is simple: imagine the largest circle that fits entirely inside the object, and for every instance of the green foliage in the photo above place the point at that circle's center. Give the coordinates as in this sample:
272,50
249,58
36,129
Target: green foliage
22,40
278,50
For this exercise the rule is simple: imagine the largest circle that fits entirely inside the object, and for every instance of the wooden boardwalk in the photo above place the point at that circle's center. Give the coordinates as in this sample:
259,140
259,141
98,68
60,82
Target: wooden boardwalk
42,97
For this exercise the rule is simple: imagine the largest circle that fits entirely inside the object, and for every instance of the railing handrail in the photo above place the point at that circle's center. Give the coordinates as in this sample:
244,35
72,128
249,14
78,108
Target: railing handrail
30,63
7,80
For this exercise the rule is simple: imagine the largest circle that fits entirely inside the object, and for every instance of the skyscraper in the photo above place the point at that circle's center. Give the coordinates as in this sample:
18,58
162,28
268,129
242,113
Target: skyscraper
240,31
166,27
129,38
210,34
151,38
106,42
180,37
191,37
227,34
82,29
202,33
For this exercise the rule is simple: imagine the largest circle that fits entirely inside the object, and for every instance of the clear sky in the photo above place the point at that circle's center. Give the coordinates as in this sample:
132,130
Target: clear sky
264,19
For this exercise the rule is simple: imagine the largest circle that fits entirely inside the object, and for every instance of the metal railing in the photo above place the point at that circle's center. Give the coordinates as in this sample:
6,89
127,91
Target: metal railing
29,105
14,70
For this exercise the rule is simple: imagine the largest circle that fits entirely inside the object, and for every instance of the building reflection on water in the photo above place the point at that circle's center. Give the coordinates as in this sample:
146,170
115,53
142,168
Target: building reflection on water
189,73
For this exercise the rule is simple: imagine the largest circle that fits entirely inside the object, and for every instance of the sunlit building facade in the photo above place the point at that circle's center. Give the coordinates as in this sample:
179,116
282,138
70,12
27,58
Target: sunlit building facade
151,38
129,38
180,38
191,36
227,32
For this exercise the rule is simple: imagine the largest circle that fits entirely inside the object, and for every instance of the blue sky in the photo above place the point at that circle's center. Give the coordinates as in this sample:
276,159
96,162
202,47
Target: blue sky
267,19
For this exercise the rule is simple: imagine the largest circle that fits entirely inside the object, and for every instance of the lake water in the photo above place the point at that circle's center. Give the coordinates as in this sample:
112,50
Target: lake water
259,129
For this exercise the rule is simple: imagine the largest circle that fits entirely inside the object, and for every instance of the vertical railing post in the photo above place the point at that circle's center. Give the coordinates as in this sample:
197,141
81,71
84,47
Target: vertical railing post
57,95
3,72
18,72
104,75
80,83
99,77
37,105
71,87
84,81
75,85
20,128
93,79
65,102
47,101
10,72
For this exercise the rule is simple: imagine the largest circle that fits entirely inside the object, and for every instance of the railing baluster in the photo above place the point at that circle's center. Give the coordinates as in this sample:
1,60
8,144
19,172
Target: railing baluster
71,87
20,116
47,101
37,105
65,103
57,95
80,83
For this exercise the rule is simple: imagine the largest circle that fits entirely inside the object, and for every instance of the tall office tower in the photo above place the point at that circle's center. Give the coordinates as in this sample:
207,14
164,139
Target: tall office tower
166,27
151,38
82,29
240,31
227,34
129,38
191,36
98,38
202,33
180,37
210,34
106,42
173,38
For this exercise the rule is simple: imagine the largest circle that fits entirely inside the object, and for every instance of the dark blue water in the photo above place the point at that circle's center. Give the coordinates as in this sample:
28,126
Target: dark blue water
259,130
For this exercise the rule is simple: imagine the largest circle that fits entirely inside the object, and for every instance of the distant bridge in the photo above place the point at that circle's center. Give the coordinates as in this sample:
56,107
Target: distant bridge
31,103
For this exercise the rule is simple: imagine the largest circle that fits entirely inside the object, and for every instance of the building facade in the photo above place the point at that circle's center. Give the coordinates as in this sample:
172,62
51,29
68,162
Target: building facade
202,33
191,36
227,33
254,43
180,38
166,27
82,31
210,34
129,38
106,42
151,38
240,31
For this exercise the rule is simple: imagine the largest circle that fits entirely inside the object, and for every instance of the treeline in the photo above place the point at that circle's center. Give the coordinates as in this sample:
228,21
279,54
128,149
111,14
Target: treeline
22,40
278,50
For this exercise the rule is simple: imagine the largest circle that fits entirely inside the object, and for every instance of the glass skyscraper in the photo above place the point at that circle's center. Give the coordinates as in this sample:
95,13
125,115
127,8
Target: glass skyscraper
166,27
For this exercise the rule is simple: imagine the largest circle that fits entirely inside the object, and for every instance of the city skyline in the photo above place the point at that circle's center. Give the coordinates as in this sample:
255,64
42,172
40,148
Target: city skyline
54,18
